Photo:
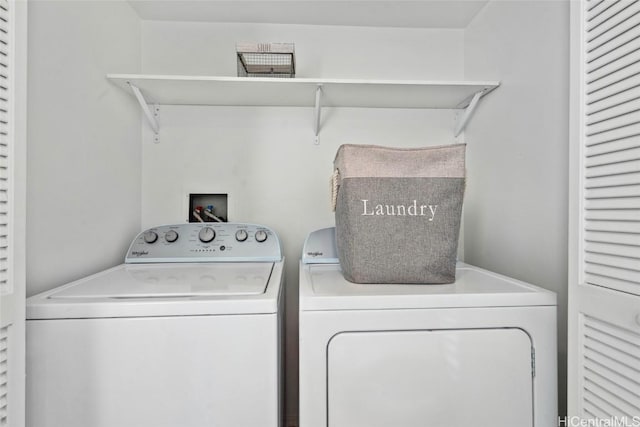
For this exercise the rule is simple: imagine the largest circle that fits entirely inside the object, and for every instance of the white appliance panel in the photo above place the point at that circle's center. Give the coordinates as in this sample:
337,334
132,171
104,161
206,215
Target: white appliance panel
478,352
439,378
172,280
205,242
116,293
326,289
317,328
188,332
153,372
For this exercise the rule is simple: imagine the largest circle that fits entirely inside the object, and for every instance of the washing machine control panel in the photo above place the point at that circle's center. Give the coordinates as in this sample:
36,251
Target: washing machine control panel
205,242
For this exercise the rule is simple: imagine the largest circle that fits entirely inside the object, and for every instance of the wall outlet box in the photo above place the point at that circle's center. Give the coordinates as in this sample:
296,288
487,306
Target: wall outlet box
209,207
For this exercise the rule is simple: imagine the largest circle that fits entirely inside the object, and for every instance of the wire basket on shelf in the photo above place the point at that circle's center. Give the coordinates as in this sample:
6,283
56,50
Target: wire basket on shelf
266,60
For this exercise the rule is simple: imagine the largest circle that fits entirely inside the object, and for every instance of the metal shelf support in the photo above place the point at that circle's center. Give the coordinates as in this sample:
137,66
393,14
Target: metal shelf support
318,111
151,117
468,112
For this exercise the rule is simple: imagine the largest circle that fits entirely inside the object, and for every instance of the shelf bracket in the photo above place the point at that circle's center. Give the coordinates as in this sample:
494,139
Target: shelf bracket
151,117
318,112
468,112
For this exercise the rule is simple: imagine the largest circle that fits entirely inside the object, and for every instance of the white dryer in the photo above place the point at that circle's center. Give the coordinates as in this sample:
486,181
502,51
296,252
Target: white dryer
479,352
187,332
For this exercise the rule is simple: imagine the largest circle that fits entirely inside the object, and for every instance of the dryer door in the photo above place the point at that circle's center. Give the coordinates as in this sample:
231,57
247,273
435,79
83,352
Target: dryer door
435,378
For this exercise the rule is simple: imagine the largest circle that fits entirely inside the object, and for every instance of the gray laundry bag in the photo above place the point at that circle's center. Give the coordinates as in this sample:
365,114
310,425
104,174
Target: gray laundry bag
398,212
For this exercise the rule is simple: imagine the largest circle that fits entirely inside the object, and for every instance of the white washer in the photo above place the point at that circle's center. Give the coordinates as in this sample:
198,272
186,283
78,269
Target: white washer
186,333
478,352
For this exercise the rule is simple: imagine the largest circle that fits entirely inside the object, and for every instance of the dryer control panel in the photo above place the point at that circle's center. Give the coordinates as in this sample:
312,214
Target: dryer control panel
205,242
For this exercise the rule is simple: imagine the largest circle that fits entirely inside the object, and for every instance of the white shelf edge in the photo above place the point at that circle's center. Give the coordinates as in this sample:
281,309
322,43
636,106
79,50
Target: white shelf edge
299,80
303,92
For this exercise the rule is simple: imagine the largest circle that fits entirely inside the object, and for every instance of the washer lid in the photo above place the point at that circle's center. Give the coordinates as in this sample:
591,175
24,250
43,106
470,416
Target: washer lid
171,280
164,289
323,287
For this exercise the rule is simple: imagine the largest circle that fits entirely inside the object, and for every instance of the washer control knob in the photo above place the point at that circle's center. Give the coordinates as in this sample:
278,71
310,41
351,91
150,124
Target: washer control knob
241,235
150,236
171,236
206,235
261,236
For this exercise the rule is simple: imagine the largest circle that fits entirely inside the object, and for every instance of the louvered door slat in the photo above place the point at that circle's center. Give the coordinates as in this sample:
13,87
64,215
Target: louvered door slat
597,15
622,21
631,166
607,54
604,54
5,62
610,282
629,107
627,131
611,226
611,146
613,215
596,7
612,40
612,139
617,156
600,273
607,401
621,384
617,335
609,192
624,60
4,375
615,122
605,237
614,8
610,203
611,369
625,400
605,101
621,191
619,91
627,251
5,59
6,286
623,179
617,261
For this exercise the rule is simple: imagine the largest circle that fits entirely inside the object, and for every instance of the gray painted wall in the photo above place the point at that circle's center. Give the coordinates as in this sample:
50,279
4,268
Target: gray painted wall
518,143
83,182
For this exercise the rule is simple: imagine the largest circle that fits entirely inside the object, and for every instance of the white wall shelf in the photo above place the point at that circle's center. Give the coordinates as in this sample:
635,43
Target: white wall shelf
302,92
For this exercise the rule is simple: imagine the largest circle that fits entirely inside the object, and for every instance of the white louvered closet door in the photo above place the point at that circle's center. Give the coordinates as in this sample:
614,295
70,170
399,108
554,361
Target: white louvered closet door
12,189
604,288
